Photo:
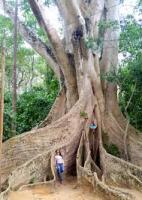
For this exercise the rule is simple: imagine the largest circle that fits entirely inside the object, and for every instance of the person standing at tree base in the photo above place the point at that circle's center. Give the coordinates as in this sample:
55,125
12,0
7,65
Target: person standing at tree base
59,165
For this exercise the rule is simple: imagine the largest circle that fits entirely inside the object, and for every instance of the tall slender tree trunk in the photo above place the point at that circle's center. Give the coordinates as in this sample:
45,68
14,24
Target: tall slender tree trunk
32,72
14,93
2,75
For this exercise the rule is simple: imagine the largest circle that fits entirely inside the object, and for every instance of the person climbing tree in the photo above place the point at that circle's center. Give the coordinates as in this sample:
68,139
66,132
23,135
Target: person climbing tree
59,165
93,125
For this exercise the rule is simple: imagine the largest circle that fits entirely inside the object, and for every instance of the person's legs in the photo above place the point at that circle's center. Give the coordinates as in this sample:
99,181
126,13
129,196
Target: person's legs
62,168
59,172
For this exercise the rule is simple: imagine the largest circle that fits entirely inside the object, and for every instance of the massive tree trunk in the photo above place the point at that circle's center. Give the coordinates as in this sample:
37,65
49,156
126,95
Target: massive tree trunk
83,97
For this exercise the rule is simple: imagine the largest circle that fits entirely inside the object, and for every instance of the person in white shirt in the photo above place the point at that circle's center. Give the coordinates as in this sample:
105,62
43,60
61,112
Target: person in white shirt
59,165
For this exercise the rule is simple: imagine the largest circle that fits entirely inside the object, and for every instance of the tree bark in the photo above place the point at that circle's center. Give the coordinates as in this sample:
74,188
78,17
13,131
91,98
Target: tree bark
32,72
83,97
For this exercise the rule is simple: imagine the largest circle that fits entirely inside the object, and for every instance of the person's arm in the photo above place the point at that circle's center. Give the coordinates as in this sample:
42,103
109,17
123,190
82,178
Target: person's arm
55,160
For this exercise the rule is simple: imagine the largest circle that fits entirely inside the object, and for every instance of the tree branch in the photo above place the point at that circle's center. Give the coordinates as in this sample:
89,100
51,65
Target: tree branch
132,94
92,12
39,12
59,50
72,16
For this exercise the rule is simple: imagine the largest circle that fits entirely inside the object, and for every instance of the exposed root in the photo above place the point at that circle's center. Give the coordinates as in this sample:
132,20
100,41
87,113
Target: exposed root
86,173
122,173
93,163
31,172
4,195
115,128
117,172
64,133
40,169
103,190
125,141
41,140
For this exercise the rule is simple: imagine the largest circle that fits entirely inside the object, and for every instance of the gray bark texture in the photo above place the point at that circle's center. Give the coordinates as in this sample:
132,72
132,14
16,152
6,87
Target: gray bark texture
83,97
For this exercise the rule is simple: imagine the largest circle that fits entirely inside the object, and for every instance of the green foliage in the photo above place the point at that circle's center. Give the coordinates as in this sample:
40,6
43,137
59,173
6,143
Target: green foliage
51,82
31,68
112,149
96,45
103,25
32,107
91,43
83,114
130,71
36,85
30,19
129,75
32,180
129,80
49,2
140,5
130,38
7,26
111,76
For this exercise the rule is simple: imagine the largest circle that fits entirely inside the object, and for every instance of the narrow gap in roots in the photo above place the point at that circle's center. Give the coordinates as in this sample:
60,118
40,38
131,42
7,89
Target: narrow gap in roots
83,156
70,156
94,146
93,90
98,159
72,169
91,138
95,154
49,175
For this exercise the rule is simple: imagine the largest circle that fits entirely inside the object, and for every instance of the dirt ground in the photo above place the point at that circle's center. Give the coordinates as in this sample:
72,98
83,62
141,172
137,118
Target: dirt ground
66,191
